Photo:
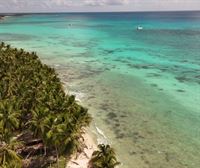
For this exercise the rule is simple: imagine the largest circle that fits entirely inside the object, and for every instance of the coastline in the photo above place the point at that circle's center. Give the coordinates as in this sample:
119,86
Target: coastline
92,137
2,17
82,159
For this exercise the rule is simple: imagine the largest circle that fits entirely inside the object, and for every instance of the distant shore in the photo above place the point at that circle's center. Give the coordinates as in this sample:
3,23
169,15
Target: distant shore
2,17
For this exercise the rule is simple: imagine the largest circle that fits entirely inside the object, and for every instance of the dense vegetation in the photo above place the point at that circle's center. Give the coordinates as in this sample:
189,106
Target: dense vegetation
105,157
38,121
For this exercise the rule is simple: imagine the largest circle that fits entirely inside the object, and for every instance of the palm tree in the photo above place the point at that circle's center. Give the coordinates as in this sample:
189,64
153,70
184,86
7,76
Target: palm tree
2,45
9,118
37,123
8,48
40,124
8,157
105,157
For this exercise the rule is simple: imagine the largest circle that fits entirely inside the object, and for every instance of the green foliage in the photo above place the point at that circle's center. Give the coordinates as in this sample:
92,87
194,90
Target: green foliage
32,98
9,118
105,157
8,157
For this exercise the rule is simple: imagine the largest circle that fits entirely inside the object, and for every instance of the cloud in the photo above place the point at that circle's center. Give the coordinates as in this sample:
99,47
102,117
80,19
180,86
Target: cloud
96,5
61,2
84,2
66,2
105,2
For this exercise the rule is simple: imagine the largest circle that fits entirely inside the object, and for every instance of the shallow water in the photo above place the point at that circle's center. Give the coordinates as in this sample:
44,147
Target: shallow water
142,87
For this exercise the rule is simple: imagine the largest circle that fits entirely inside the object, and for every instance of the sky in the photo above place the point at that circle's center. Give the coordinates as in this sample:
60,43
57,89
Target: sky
8,6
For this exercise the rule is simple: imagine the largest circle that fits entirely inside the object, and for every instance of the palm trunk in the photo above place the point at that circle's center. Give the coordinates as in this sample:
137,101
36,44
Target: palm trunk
57,156
45,150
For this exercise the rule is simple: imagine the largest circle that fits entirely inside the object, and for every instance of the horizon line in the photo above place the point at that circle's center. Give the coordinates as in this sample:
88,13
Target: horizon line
54,12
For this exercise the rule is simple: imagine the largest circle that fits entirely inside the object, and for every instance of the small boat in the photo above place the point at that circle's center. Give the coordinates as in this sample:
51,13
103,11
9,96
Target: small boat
139,28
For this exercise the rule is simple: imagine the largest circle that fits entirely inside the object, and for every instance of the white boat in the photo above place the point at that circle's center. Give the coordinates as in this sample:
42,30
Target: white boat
139,28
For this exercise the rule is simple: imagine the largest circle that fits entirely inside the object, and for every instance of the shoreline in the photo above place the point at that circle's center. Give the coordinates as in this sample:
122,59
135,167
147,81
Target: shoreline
92,137
82,159
2,17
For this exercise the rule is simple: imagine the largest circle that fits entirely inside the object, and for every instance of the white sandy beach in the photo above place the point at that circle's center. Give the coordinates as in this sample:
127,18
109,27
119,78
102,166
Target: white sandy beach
82,160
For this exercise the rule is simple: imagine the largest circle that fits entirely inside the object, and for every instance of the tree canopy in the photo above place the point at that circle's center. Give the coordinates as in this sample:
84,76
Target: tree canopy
34,110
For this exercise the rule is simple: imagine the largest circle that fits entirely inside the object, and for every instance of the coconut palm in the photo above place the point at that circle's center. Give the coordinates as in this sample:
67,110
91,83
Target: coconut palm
37,124
105,157
8,48
9,118
8,157
2,45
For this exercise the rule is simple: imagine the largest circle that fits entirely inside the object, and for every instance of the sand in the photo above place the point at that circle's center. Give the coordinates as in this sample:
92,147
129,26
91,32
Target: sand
82,160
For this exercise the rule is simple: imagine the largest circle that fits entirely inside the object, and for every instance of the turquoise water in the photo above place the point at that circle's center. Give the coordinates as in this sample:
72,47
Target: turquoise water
141,87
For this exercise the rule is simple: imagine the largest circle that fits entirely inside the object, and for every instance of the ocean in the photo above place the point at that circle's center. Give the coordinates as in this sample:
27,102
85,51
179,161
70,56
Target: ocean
142,87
